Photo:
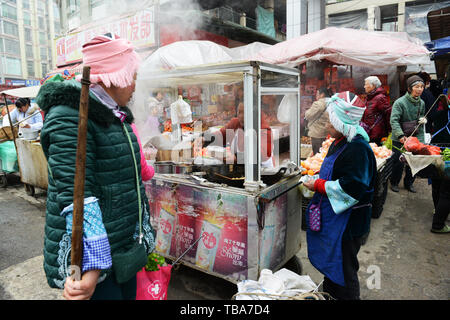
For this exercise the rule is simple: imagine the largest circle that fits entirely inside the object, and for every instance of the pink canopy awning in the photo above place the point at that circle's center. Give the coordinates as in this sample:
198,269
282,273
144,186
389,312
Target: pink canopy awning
348,47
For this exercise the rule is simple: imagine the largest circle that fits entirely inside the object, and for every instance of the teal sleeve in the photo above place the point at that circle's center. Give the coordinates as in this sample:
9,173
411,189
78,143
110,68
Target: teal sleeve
396,115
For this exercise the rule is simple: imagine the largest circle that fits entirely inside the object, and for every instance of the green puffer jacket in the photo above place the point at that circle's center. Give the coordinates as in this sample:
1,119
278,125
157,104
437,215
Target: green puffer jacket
405,109
110,174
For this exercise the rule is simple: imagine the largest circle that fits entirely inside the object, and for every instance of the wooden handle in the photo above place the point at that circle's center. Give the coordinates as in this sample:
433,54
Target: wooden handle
80,174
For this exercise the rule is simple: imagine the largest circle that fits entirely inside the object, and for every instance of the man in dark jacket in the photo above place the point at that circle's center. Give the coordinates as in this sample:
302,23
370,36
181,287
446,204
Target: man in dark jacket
427,97
377,114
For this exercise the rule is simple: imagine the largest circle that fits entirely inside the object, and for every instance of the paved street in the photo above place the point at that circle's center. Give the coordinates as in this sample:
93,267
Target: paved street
411,261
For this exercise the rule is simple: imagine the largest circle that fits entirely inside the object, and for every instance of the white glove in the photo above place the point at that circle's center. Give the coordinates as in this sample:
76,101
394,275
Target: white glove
422,120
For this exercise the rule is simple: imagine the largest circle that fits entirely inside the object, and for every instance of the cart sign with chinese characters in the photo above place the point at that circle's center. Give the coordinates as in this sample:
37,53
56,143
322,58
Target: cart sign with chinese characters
231,244
139,29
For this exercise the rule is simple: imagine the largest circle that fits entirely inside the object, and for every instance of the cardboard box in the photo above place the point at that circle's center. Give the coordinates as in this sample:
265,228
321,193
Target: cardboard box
182,155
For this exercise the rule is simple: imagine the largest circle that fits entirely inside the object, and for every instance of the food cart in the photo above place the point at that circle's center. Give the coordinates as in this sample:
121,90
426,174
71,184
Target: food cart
30,156
238,217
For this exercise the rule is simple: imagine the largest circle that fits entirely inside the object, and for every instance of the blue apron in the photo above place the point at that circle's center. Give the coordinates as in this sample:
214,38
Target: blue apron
325,246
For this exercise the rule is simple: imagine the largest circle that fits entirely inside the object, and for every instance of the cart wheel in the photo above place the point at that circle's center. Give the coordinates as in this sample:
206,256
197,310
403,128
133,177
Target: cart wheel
294,264
3,181
30,190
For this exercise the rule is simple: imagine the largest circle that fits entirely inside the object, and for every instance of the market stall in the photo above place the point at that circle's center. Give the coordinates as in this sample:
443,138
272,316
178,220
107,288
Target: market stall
32,164
340,59
245,212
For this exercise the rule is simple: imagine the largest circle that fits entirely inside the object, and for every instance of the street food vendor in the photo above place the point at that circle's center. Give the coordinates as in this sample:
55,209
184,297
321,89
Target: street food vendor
339,214
23,111
236,125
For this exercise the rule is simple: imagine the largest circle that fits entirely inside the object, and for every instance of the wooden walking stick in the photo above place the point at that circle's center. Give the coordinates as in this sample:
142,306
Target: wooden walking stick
80,174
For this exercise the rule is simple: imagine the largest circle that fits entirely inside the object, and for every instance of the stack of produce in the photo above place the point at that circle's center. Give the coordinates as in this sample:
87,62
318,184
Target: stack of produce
380,152
416,147
312,164
446,154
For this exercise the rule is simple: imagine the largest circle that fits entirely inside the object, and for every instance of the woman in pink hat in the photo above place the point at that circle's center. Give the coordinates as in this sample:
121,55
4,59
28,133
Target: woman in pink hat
117,236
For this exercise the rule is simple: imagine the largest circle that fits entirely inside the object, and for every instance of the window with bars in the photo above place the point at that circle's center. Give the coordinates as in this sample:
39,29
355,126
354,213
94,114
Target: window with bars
30,68
9,12
57,27
41,23
27,19
28,35
12,66
56,12
10,28
40,6
42,38
12,46
26,4
43,53
29,51
44,69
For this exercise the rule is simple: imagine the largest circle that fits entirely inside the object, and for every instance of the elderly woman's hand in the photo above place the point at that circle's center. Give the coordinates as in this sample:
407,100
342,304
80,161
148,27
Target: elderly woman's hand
310,184
82,289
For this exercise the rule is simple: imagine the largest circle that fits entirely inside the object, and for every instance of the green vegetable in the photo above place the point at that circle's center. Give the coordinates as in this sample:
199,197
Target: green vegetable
154,262
446,154
388,142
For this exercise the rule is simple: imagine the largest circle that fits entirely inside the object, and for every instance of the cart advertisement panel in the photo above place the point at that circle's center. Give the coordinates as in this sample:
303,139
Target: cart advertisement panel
183,214
273,235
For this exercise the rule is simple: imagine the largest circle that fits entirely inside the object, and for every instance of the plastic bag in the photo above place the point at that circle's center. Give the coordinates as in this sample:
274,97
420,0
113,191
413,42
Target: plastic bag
153,285
180,112
287,104
270,285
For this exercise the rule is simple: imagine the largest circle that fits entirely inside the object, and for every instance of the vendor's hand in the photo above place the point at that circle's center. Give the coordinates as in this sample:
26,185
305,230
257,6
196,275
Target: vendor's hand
310,184
24,125
83,289
198,142
230,158
402,140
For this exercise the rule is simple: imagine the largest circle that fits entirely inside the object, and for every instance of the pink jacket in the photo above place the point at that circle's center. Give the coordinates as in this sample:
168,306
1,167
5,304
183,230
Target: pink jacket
147,171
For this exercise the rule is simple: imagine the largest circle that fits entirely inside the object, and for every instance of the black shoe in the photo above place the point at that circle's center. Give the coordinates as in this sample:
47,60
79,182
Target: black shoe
394,188
411,189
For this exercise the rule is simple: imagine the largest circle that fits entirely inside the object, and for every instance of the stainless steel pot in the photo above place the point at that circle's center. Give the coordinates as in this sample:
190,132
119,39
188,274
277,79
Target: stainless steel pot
28,134
163,167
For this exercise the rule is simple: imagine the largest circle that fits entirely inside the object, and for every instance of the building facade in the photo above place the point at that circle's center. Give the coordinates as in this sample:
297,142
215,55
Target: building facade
27,50
408,16
149,24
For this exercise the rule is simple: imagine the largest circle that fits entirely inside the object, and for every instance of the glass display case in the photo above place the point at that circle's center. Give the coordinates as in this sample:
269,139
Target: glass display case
244,114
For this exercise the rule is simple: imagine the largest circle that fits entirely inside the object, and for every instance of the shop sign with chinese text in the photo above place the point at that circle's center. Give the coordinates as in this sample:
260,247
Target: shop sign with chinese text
139,29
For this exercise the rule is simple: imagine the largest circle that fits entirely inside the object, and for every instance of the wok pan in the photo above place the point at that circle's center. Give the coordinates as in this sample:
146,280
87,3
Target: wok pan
234,175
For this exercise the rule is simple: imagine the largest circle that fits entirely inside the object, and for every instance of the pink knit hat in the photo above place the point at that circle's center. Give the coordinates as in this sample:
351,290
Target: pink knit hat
113,60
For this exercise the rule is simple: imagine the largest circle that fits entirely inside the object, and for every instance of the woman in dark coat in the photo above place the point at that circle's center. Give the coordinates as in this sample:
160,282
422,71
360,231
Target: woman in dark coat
339,214
376,117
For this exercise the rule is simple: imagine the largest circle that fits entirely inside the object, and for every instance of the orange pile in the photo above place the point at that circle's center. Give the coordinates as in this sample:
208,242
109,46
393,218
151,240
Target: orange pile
312,164
380,152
